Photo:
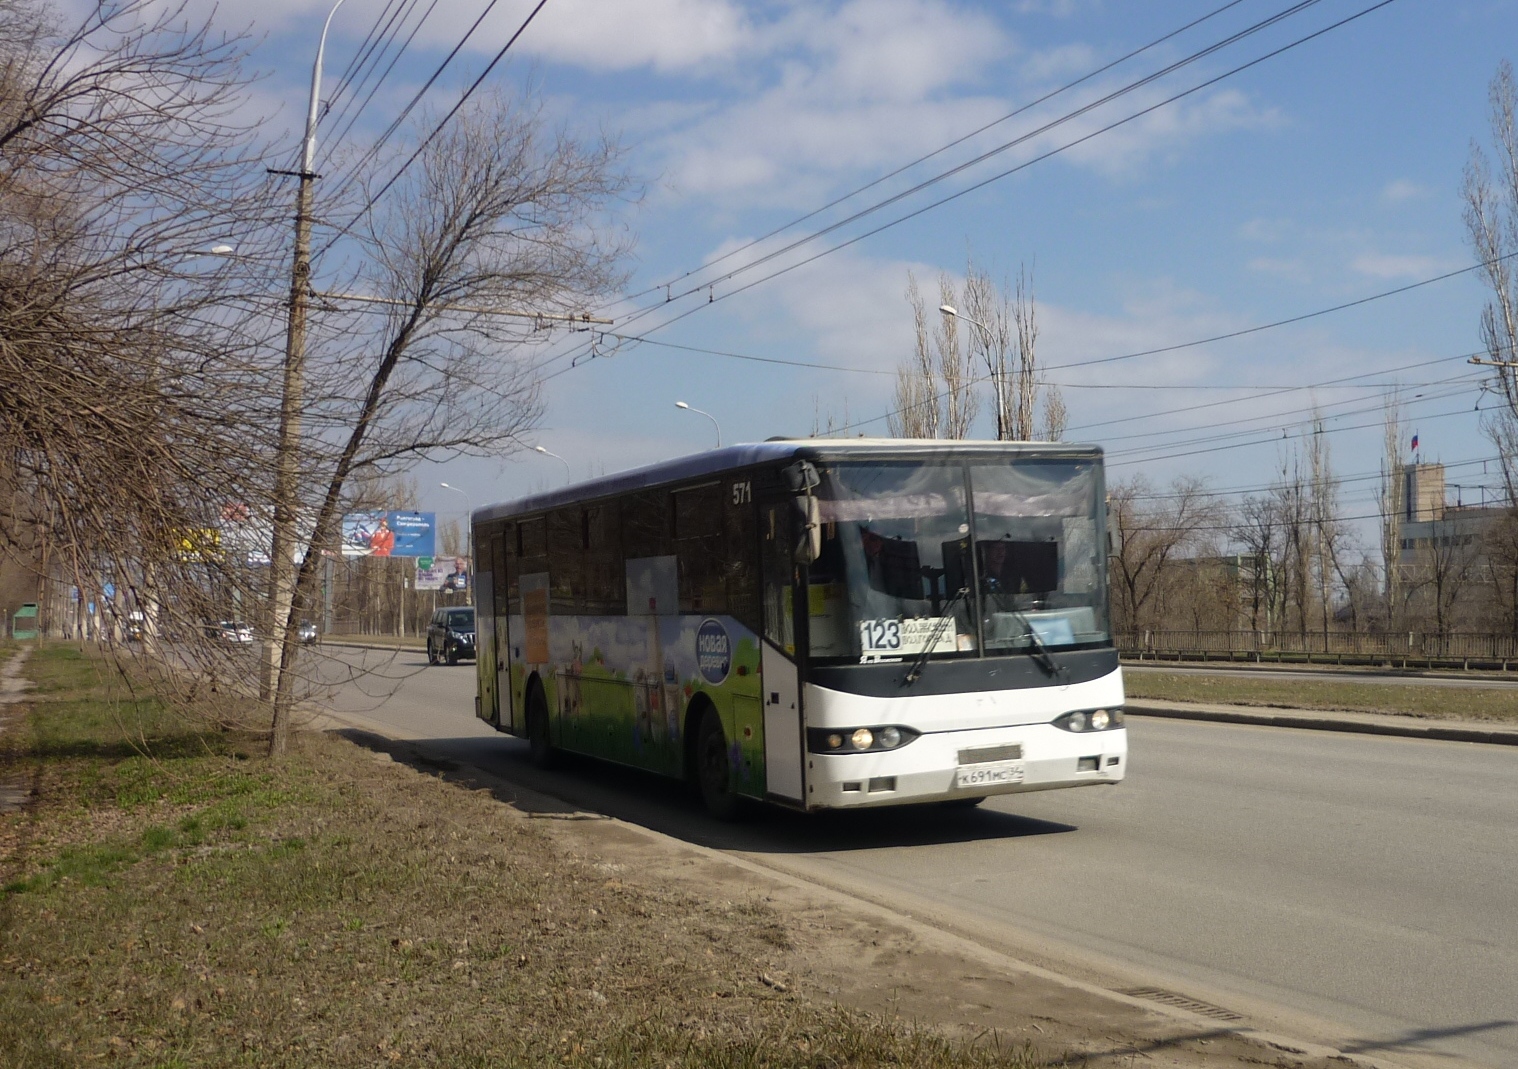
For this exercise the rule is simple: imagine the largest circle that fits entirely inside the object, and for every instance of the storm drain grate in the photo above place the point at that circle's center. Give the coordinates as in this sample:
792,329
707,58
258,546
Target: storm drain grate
1170,998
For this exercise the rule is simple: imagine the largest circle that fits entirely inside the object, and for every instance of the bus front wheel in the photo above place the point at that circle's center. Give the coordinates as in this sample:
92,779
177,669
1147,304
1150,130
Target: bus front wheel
714,768
539,748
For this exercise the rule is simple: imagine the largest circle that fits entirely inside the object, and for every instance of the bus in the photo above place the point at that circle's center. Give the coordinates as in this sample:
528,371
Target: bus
814,623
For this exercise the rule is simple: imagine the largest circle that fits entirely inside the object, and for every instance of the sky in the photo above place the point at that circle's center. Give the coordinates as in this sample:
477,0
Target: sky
1327,173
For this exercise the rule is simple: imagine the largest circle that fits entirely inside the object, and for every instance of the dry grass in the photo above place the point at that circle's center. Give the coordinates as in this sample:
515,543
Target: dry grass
174,900
1282,691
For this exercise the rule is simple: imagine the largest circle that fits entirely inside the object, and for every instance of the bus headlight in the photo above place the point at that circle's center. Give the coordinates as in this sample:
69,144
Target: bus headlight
1084,720
858,740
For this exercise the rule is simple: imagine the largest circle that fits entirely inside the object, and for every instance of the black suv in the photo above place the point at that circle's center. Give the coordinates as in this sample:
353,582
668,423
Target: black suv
450,635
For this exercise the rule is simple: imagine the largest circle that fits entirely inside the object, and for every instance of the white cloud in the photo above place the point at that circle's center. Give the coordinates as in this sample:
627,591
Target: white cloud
1382,265
666,35
1400,190
1119,151
1291,270
1060,9
1266,231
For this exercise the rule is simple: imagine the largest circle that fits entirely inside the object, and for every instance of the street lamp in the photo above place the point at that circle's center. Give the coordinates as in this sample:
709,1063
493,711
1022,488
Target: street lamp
950,310
468,514
708,415
561,460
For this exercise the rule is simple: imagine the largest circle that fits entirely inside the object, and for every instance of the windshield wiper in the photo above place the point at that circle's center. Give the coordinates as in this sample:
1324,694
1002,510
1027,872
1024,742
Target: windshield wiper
1037,649
927,651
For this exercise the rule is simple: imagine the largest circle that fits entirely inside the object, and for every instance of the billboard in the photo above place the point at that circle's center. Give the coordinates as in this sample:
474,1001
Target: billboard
396,533
450,573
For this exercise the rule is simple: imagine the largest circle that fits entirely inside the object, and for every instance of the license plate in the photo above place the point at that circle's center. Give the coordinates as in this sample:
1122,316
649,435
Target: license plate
989,775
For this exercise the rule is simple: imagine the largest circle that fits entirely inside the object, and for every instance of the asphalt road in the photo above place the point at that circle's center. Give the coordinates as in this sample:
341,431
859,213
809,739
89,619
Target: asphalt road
1351,889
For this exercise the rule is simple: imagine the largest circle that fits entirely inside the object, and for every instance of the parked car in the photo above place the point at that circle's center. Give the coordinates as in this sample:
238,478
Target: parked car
307,633
450,635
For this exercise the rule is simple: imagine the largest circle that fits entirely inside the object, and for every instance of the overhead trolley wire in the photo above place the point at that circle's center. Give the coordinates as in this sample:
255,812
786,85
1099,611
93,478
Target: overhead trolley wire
1231,334
374,149
1021,139
337,137
937,151
713,296
370,201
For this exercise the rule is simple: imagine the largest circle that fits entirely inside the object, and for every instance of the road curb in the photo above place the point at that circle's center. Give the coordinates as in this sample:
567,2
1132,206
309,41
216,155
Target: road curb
1443,733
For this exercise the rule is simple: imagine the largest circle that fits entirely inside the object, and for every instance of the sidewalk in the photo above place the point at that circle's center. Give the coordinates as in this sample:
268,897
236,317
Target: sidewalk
1411,727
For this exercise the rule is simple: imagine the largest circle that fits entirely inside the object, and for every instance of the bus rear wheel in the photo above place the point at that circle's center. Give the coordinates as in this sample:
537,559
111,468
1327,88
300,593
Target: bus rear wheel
540,750
714,768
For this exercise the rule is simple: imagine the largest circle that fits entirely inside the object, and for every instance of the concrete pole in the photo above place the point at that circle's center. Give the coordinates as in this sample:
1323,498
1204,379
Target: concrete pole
287,460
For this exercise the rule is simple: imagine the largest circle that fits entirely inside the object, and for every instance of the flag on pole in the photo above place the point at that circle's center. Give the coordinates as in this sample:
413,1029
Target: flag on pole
1415,443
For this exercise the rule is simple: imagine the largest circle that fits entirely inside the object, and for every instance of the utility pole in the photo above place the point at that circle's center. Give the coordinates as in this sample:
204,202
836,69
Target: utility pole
287,457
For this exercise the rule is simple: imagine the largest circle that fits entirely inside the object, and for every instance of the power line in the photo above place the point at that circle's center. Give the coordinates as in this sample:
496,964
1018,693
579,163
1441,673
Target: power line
713,297
1255,488
374,149
1021,139
938,151
379,81
1262,441
1315,413
1272,393
437,129
365,48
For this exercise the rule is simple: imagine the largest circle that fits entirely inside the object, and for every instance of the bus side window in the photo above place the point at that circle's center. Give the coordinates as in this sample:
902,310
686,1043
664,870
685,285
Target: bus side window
740,544
645,525
700,549
566,561
605,568
508,573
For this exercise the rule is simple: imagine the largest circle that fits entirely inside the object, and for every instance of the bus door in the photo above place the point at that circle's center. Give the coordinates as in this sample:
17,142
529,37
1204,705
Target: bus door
784,599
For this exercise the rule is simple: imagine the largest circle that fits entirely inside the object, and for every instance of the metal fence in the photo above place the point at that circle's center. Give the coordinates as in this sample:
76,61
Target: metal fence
1456,649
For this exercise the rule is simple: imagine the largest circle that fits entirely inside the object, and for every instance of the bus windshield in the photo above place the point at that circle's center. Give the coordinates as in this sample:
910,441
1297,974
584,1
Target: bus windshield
980,557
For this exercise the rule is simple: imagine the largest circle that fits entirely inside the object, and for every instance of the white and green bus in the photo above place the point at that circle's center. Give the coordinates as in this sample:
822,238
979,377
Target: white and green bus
814,623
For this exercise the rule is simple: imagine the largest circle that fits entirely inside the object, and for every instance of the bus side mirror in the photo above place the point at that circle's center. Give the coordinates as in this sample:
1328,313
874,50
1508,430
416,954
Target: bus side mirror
801,477
809,520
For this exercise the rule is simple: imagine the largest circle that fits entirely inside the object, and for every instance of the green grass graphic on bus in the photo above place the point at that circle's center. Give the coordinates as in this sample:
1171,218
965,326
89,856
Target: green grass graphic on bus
619,687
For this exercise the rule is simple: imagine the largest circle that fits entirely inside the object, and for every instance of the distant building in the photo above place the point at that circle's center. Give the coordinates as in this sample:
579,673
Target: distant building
1444,559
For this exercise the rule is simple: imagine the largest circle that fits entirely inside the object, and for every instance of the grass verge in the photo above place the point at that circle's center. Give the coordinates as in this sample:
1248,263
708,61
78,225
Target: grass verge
1283,691
174,899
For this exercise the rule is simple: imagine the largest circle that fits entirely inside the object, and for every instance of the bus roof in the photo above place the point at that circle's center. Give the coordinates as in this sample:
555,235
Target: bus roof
727,458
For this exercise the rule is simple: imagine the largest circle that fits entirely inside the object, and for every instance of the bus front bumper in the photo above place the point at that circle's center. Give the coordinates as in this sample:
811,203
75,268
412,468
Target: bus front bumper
942,766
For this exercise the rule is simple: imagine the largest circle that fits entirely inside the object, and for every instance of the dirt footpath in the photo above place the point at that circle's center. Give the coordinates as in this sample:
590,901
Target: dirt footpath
833,947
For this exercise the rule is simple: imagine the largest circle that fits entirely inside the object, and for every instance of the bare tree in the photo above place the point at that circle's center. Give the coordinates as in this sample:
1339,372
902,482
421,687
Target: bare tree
127,422
1055,415
1025,316
991,343
934,389
1390,499
1335,551
1258,530
502,213
1151,531
1491,222
916,414
954,368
